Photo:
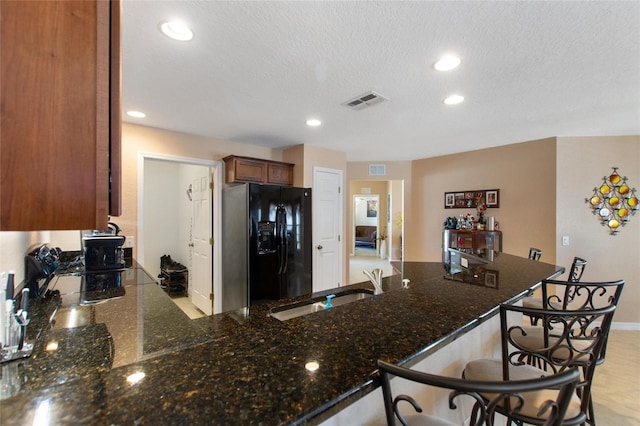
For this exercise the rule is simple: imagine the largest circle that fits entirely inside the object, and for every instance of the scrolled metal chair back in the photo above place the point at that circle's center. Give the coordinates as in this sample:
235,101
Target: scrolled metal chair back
570,339
569,295
487,397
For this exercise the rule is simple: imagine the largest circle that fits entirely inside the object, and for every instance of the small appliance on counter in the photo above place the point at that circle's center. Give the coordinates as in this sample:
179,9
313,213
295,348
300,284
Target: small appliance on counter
40,264
103,249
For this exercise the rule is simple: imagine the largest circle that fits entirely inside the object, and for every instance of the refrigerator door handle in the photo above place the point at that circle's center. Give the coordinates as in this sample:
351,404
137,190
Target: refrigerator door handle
281,219
285,240
285,257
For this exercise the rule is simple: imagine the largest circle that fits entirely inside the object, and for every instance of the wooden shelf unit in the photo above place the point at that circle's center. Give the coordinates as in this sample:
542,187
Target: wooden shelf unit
471,239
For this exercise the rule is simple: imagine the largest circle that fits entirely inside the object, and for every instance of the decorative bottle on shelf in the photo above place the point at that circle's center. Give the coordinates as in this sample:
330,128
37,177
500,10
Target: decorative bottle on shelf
480,221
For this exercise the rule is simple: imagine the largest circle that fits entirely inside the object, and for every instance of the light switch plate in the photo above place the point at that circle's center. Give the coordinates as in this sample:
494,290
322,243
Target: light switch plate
128,242
565,240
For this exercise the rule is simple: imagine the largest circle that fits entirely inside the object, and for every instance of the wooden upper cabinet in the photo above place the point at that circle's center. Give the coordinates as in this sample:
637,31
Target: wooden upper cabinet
61,114
254,170
280,173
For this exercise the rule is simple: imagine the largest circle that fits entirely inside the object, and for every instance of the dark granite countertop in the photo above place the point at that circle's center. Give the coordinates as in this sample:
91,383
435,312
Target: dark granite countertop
242,369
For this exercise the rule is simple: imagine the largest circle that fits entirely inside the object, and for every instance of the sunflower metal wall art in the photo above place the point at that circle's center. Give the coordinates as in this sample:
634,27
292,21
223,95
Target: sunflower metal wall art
613,202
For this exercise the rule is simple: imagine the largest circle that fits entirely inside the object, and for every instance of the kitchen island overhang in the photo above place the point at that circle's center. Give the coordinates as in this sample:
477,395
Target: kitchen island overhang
253,371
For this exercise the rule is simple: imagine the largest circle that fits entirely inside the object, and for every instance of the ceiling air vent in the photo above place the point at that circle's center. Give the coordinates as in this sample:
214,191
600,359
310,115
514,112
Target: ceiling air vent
365,100
377,170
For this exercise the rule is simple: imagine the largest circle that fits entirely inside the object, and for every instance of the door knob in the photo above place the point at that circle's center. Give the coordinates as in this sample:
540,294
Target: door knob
319,247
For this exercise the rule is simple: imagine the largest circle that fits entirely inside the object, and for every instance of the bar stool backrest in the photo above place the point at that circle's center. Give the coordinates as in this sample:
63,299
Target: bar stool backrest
572,338
502,391
580,295
577,269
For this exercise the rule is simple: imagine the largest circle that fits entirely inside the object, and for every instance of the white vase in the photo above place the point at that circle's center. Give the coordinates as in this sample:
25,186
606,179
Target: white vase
383,249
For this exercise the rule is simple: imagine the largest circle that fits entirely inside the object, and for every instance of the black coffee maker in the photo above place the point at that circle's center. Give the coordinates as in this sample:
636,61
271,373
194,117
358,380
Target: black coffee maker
103,249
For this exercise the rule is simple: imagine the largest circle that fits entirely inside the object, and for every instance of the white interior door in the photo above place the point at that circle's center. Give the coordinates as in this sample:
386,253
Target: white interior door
327,228
201,279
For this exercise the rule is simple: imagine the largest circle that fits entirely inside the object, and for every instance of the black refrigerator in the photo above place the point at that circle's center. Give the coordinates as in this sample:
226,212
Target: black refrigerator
266,252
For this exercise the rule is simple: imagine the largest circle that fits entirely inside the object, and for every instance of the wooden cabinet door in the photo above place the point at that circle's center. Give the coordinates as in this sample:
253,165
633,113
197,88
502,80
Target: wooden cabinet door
115,110
246,170
255,170
279,174
56,124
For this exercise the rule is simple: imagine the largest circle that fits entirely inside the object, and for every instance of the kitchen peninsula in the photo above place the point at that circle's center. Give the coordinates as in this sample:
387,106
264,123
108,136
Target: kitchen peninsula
232,369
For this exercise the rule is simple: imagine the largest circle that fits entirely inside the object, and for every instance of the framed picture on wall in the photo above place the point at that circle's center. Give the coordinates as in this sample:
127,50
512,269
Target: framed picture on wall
492,199
449,199
459,199
472,199
372,208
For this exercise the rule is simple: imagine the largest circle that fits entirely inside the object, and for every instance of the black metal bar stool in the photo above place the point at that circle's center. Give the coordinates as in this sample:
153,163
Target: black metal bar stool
577,296
570,338
575,274
507,395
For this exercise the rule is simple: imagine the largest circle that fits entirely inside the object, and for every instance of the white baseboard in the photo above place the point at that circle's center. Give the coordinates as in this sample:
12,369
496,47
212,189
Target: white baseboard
627,326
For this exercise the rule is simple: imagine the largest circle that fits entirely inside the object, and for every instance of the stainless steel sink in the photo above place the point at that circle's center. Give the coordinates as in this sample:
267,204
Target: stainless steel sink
285,313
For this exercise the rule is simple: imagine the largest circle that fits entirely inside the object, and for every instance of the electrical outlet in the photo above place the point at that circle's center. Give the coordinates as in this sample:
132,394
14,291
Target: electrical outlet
128,242
565,240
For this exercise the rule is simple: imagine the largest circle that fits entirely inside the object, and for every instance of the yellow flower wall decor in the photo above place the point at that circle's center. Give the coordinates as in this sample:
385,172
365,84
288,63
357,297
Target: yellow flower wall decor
613,202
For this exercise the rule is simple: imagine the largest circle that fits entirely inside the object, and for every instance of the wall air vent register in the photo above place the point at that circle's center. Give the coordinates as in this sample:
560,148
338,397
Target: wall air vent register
377,170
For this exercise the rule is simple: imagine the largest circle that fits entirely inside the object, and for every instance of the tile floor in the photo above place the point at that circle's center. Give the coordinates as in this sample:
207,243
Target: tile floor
616,384
365,260
187,307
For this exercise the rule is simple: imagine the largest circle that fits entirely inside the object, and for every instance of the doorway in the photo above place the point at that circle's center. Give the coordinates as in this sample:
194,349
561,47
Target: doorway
179,216
388,196
367,233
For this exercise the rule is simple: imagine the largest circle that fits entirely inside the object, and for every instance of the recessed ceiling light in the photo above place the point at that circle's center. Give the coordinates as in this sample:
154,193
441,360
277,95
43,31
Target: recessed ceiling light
176,30
136,114
453,99
314,122
447,63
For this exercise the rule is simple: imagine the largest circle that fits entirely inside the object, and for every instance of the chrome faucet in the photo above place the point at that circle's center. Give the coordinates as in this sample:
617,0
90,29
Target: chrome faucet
375,277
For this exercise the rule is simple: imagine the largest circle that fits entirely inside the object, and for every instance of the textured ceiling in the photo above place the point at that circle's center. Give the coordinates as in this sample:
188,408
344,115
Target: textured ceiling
255,71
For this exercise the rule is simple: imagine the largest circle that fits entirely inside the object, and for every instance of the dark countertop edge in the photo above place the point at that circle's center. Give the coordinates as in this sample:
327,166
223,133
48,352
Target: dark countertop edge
331,408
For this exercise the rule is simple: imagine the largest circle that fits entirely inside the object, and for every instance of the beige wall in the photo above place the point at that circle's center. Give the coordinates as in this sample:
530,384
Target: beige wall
397,171
525,175
137,139
542,185
295,155
582,162
395,229
308,157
